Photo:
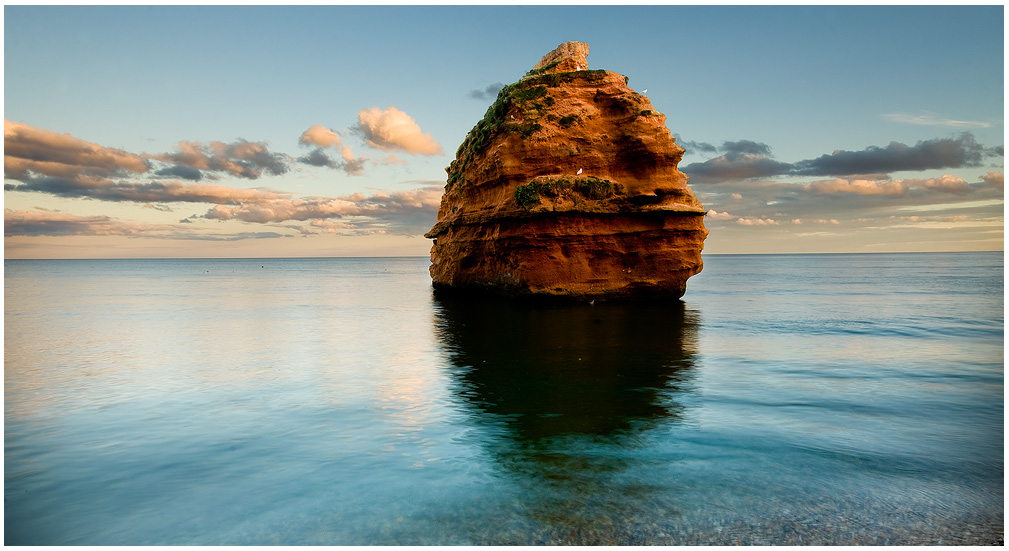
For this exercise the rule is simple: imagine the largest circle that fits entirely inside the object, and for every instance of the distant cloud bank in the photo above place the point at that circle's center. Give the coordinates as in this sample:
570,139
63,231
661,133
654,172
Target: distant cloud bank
43,161
745,159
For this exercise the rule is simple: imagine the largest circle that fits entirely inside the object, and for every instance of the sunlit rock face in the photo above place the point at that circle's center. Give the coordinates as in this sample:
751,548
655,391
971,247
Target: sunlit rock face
568,187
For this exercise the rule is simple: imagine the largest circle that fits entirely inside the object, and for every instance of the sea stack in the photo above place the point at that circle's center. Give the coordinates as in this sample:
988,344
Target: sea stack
568,187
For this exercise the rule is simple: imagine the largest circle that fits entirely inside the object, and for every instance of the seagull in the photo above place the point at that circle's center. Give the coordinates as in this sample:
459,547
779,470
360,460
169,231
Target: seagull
645,91
579,171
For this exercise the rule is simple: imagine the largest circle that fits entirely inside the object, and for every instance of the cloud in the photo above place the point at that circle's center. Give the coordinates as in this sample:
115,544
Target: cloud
994,179
390,129
29,150
240,158
330,226
725,168
800,221
858,187
740,160
715,215
79,169
745,147
409,212
352,165
490,92
757,222
694,147
234,236
392,159
929,119
152,192
32,153
33,223
324,138
318,157
962,151
747,160
320,136
945,184
177,171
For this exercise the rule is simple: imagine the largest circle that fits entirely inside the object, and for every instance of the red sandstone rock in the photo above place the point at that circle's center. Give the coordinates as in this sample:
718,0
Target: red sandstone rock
568,187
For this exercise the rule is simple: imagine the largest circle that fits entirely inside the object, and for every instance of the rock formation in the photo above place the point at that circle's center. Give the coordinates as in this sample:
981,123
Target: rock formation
568,187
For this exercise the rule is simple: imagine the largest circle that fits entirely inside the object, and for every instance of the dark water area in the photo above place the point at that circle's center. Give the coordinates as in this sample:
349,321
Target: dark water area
787,399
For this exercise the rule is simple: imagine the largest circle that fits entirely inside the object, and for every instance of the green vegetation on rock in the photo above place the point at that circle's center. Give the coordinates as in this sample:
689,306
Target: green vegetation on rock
566,122
531,96
541,70
590,187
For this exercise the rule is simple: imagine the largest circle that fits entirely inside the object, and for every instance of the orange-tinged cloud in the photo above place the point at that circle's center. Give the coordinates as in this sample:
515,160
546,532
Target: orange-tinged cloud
424,201
946,183
859,187
43,152
757,222
320,136
240,158
390,129
150,192
994,179
715,215
28,223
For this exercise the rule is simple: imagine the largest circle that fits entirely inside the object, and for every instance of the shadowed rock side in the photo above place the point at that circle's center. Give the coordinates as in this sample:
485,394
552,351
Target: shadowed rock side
568,187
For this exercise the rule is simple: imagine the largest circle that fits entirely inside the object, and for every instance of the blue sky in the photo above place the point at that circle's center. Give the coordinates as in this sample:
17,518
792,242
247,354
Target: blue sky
807,128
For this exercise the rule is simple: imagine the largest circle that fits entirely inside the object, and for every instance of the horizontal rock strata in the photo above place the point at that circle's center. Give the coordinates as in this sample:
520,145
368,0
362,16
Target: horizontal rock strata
568,187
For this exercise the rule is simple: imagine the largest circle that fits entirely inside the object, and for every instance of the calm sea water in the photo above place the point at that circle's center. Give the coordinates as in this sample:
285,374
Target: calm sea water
806,399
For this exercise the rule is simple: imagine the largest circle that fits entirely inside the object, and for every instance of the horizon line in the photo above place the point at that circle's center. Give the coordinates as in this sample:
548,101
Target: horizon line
426,256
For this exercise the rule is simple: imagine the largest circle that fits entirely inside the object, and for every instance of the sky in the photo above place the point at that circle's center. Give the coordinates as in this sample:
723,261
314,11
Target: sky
265,131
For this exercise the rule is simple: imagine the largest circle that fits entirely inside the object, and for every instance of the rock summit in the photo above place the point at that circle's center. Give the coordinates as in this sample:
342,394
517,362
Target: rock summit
568,187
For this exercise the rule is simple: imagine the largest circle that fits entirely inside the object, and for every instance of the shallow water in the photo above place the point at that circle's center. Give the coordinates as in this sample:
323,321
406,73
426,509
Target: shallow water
809,399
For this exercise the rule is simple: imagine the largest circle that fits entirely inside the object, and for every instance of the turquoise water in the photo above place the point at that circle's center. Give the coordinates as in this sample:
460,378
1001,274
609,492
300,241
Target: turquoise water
792,399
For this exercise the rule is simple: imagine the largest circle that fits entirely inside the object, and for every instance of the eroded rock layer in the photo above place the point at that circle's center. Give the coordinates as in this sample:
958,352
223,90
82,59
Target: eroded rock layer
568,187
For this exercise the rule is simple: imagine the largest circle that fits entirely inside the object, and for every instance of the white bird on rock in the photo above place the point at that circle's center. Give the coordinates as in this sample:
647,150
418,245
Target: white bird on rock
645,91
579,171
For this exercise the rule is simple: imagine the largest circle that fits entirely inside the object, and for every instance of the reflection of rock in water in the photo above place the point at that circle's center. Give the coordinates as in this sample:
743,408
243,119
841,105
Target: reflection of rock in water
561,395
548,371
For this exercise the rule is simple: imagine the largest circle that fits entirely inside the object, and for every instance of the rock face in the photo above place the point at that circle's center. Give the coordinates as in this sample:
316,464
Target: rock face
568,187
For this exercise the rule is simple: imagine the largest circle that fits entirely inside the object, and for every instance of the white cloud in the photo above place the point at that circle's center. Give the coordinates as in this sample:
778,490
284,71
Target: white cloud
929,119
757,222
715,215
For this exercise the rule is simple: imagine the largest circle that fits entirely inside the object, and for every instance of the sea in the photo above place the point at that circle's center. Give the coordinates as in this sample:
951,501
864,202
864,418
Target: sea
850,399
